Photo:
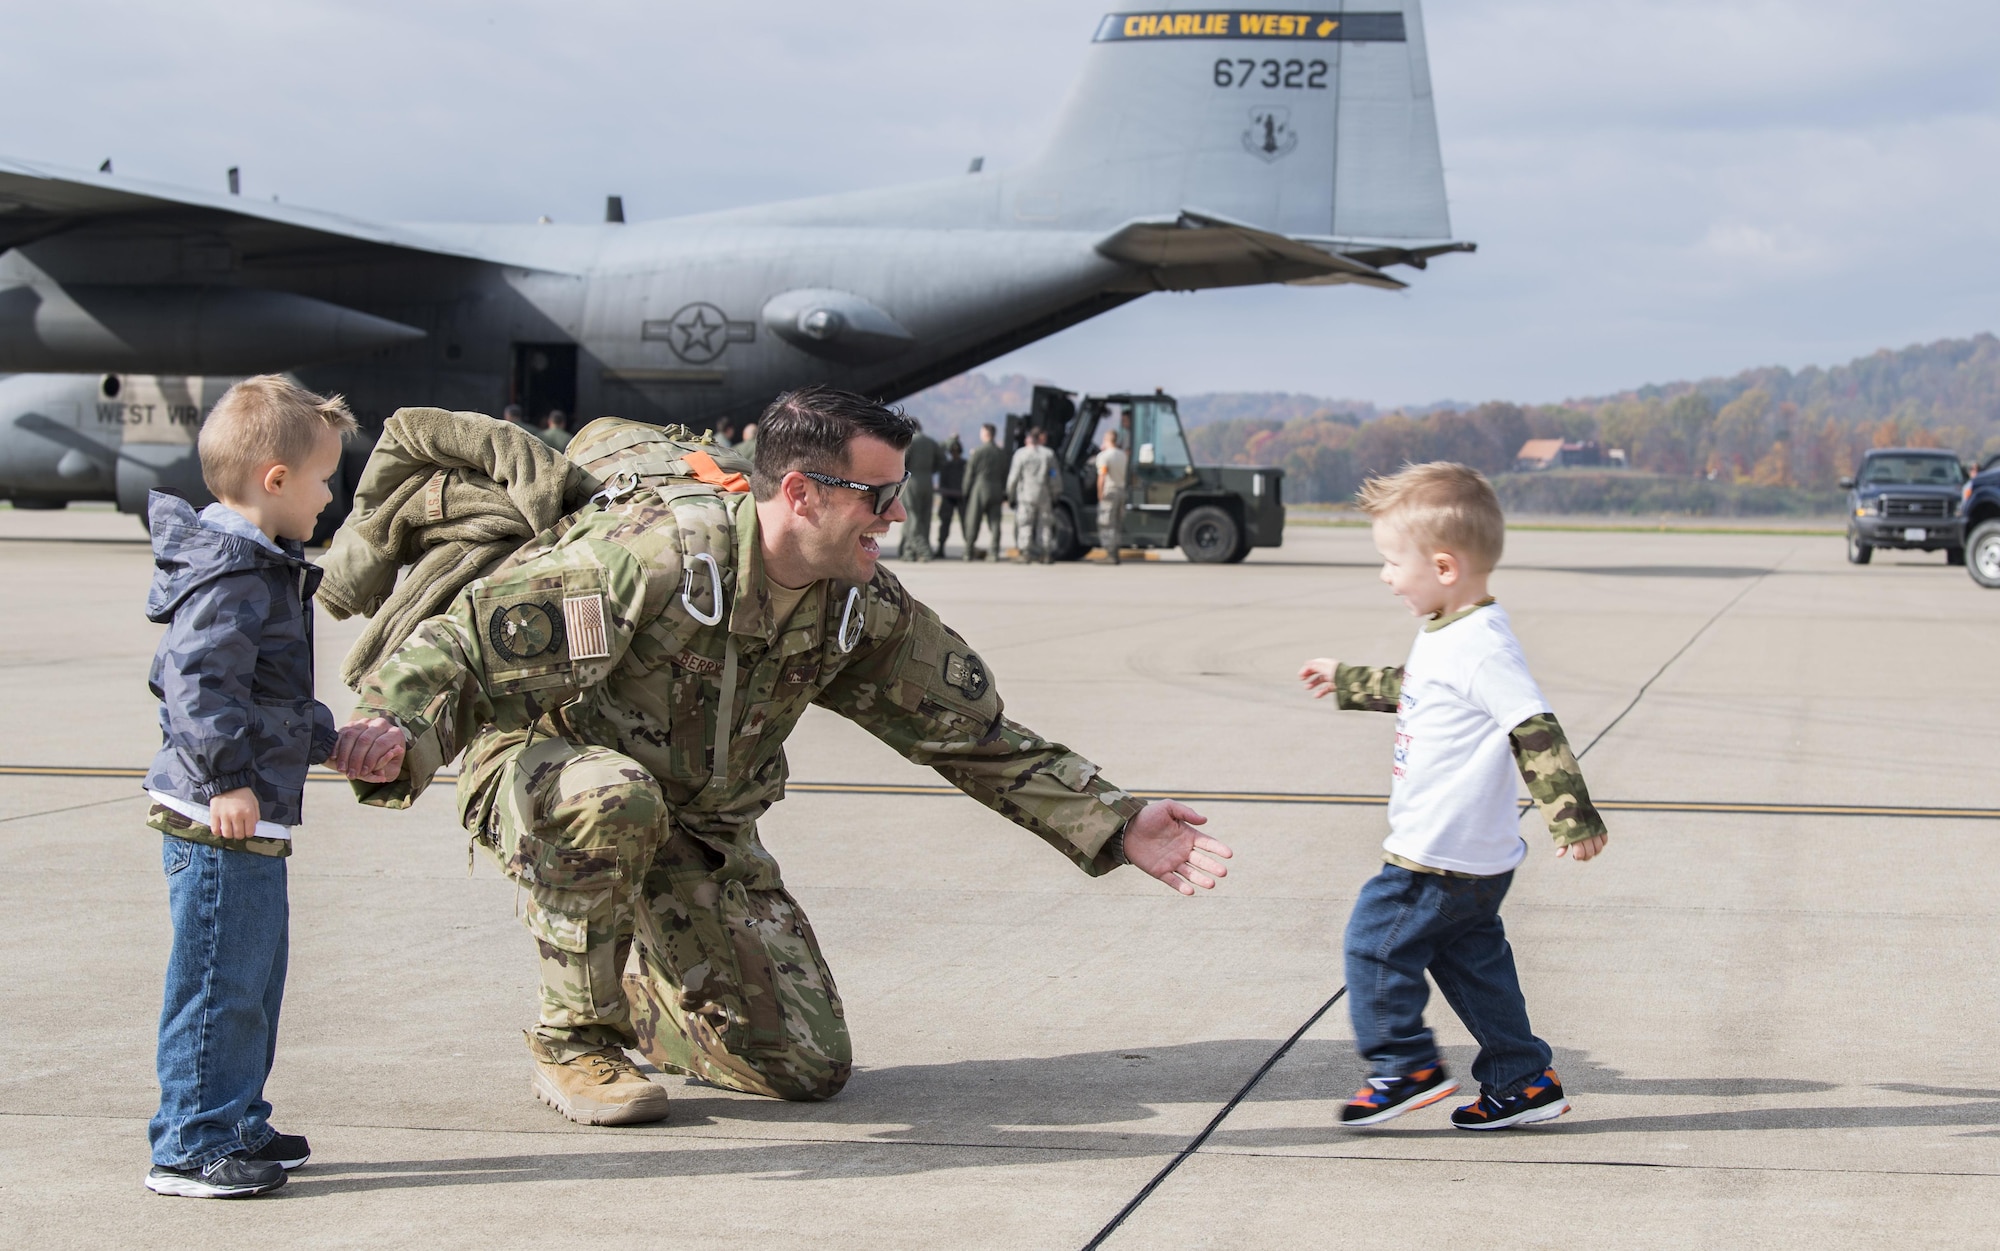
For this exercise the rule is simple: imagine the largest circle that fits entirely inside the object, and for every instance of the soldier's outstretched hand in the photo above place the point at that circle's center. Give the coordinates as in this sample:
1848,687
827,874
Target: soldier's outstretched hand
370,750
1163,841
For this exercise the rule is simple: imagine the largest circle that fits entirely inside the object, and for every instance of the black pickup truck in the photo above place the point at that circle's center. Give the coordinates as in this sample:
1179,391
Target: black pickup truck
1979,513
1906,497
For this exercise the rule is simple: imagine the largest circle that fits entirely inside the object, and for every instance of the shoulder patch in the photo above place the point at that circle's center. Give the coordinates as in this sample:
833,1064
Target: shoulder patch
583,622
526,629
966,673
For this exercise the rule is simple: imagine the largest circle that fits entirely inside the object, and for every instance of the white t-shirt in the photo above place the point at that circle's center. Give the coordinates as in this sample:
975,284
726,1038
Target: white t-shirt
1453,802
1112,461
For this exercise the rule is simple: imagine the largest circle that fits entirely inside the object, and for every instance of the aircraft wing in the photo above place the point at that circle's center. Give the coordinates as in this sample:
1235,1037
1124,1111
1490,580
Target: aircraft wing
1197,249
37,202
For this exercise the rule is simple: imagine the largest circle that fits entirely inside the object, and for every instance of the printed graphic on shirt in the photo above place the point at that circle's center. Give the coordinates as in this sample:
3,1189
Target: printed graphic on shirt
1406,703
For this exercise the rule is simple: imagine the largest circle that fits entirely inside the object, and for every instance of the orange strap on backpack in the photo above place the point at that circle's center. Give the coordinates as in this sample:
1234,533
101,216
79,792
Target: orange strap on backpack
702,468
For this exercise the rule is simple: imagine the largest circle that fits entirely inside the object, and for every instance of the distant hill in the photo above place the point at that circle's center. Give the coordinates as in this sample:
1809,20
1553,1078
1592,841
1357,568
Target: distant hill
1953,382
1783,437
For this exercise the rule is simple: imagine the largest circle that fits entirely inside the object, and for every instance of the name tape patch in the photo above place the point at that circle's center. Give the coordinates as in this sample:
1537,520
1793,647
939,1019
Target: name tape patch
694,662
1244,24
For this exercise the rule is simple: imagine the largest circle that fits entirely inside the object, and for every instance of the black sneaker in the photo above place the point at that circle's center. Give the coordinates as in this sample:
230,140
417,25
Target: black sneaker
1540,1100
231,1177
287,1151
1386,1098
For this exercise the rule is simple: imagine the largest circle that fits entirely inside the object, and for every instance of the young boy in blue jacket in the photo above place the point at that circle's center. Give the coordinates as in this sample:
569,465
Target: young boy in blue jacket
240,726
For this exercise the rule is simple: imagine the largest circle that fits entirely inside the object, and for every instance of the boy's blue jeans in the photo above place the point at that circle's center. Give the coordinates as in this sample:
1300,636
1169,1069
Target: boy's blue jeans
1405,923
225,982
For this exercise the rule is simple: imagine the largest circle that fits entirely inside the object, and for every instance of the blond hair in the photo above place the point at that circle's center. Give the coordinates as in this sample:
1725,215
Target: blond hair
262,421
1443,507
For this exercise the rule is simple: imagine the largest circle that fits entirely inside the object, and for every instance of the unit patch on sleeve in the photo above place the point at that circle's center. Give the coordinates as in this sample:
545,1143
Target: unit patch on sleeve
966,673
583,621
525,631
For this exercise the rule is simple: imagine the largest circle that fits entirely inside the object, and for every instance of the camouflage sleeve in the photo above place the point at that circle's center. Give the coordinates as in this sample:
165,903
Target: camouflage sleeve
514,645
917,686
1362,689
1554,778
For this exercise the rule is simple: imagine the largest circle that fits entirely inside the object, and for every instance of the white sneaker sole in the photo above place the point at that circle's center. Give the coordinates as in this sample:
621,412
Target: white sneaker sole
640,1111
196,1188
1530,1117
1389,1114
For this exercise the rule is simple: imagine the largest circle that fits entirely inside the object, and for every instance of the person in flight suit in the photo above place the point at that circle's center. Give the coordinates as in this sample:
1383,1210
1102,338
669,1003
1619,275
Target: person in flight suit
986,491
622,688
951,490
920,461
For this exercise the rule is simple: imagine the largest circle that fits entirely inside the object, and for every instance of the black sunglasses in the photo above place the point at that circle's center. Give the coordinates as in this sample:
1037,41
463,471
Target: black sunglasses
885,493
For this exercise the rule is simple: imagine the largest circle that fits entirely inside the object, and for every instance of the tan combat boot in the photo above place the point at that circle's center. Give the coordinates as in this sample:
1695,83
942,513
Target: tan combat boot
599,1087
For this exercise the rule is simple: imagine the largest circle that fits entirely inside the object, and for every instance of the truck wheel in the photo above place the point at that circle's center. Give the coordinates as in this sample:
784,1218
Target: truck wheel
1982,554
1062,537
1210,536
1858,553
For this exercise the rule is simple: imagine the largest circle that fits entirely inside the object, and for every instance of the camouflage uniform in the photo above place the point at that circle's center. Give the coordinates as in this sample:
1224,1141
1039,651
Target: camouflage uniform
1541,752
623,695
1033,489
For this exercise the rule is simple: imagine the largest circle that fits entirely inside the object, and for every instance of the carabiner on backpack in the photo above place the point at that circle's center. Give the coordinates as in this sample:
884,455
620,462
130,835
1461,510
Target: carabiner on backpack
715,592
622,484
847,615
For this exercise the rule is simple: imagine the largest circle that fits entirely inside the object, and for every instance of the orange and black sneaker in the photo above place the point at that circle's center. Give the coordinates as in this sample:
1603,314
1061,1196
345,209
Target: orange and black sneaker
1540,1100
1386,1098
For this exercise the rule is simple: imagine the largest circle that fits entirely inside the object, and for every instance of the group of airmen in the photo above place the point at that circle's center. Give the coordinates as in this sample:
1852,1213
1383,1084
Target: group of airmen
944,481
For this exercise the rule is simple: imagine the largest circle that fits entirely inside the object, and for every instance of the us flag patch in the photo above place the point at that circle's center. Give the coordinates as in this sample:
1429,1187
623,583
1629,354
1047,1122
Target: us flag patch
583,621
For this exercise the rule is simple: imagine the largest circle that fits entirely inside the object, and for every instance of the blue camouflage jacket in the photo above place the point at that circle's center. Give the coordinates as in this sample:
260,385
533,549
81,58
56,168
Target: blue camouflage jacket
234,673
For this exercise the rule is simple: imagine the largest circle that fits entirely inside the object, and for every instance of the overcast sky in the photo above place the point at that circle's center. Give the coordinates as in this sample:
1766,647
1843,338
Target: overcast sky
1658,189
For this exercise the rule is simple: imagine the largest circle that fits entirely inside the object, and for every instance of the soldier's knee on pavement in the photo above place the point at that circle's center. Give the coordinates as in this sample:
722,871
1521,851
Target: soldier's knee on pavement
815,1088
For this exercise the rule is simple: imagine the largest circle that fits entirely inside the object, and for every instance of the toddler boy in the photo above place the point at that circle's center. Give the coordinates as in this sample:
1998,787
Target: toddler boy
234,676
1468,715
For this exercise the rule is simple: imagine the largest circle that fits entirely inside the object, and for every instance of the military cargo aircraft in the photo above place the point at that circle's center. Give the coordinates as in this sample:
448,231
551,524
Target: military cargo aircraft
1202,148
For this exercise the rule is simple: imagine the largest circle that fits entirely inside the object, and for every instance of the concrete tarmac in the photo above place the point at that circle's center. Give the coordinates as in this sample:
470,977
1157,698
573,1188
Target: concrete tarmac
1776,1026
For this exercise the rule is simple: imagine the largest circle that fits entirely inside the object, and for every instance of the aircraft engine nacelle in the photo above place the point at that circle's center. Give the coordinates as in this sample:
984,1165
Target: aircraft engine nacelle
835,325
181,330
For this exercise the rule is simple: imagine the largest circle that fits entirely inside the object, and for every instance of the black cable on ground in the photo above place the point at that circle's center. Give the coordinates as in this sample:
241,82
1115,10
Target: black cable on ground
1661,671
1215,1121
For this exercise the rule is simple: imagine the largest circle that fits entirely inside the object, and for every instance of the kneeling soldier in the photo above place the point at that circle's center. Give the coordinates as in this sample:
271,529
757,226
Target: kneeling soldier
623,688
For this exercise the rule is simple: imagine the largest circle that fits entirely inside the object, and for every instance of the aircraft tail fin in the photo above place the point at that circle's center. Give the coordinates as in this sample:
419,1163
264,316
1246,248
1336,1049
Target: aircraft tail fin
1314,124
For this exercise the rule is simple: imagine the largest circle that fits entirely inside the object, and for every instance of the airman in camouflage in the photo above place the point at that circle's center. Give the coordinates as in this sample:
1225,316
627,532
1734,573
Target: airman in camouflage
622,688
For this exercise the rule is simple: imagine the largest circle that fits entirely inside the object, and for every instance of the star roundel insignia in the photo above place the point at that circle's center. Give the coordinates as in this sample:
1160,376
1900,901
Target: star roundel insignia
698,333
524,631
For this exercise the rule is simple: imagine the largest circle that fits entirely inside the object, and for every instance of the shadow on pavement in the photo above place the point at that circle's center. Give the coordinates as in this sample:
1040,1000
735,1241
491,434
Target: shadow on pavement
981,1113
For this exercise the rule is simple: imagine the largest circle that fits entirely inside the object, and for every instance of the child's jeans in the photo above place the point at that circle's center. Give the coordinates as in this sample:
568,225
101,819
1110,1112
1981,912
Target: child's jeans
225,982
1405,923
